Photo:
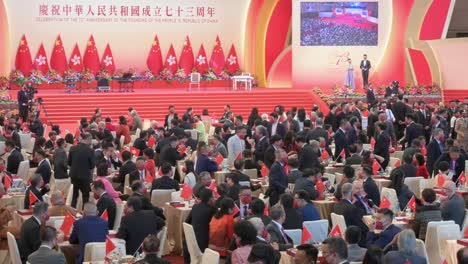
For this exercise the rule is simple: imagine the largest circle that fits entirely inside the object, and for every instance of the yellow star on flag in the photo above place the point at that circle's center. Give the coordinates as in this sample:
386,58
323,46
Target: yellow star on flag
90,43
57,42
155,43
22,42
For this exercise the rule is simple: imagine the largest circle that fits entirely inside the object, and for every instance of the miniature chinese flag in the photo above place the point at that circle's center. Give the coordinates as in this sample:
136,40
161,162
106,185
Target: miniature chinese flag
67,224
135,151
407,261
375,167
235,210
151,141
32,199
385,203
372,142
219,159
239,156
148,177
397,164
266,211
214,188
105,215
462,178
424,151
160,173
343,154
336,232
325,155
182,149
306,235
440,180
110,246
320,186
465,234
7,182
264,171
186,192
412,203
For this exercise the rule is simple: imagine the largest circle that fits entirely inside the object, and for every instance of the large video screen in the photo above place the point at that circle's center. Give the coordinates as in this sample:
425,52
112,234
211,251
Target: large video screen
339,23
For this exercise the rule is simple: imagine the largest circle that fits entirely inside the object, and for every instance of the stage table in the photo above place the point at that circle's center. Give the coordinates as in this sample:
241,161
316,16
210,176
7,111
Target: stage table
16,199
175,216
325,207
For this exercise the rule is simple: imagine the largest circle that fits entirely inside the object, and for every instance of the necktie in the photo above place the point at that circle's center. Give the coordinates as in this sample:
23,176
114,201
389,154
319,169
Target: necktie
109,164
284,236
141,175
246,212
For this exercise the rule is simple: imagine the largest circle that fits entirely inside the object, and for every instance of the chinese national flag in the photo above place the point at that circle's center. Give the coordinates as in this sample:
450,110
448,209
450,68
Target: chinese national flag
186,57
325,155
219,159
423,151
135,151
264,171
440,180
76,61
40,62
306,235
7,182
462,178
201,62
235,210
58,60
217,58
375,167
412,203
23,61
160,173
182,149
91,57
105,215
232,62
186,192
372,142
154,60
336,232
32,199
239,156
110,246
151,141
107,60
67,224
397,164
148,178
214,188
171,60
320,186
385,203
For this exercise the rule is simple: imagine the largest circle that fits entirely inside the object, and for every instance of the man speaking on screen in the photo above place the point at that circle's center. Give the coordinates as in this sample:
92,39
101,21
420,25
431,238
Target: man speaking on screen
365,67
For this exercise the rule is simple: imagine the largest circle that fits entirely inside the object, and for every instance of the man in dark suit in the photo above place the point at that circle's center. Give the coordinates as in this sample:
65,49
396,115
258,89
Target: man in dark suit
365,67
104,202
331,119
23,102
275,229
355,158
43,167
170,154
400,109
318,132
275,127
370,187
307,155
90,228
138,190
150,247
140,143
383,222
363,204
335,250
290,124
138,224
424,118
455,160
14,158
453,207
169,117
166,182
307,182
45,253
140,172
81,161
278,180
60,160
407,167
269,157
128,167
38,188
261,143
257,209
341,140
382,145
30,232
413,130
176,130
435,148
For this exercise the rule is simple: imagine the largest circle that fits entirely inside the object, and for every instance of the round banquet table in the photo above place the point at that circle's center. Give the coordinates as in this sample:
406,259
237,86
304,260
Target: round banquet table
14,199
325,208
381,182
175,217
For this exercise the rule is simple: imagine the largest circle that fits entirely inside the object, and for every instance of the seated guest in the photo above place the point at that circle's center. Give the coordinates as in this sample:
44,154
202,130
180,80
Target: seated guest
90,228
387,230
370,187
293,217
456,161
104,202
140,143
138,190
421,169
166,182
462,255
245,236
306,254
335,251
200,217
218,147
138,224
407,167
397,178
108,156
427,210
237,172
414,148
373,255
276,230
30,232
352,237
190,176
233,187
101,173
307,210
14,156
294,172
60,160
257,209
204,182
150,166
406,250
37,188
45,253
263,237
205,163
355,158
43,167
263,254
249,163
128,167
359,199
50,144
243,201
150,247
140,173
221,228
348,173
59,208
453,206
307,182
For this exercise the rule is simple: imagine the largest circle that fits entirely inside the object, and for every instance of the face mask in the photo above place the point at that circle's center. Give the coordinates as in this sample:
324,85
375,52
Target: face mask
284,160
246,200
264,234
379,225
241,136
184,170
96,196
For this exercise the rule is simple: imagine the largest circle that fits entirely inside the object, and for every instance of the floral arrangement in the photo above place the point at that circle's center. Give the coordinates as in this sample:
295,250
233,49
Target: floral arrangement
166,75
17,77
53,76
147,76
118,73
322,96
104,74
180,75
87,76
344,91
209,76
37,77
71,74
430,89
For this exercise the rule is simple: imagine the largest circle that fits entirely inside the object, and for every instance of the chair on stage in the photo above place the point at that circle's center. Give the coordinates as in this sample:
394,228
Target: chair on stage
103,85
195,79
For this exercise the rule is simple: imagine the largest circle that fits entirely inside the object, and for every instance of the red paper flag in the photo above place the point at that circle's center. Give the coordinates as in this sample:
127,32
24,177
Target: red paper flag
264,171
372,142
219,159
58,60
151,141
465,234
266,211
160,173
32,199
76,61
397,164
182,149
201,62
375,167
239,156
440,180
135,151
325,155
412,203
306,235
105,215
154,60
343,154
423,151
7,182
462,178
186,192
217,58
214,188
385,203
186,57
107,60
320,186
40,62
232,62
91,56
171,60
110,246
235,210
148,177
407,261
67,224
336,232
23,61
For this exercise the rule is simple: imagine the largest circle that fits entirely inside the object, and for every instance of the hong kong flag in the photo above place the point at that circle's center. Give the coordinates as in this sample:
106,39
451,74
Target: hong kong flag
171,60
217,58
201,62
186,57
76,61
107,60
23,61
58,60
232,63
40,62
154,60
91,57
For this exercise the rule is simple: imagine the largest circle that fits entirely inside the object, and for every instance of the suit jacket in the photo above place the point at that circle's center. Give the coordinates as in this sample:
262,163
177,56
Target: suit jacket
341,142
30,238
14,160
45,255
200,218
423,119
294,175
408,169
170,155
459,164
400,110
280,129
398,257
365,66
308,158
205,164
383,238
316,133
136,226
260,149
269,156
370,187
293,125
352,216
453,209
331,120
355,159
86,230
278,182
433,153
382,147
220,149
413,131
152,259
168,124
81,161
106,202
276,236
293,220
308,186
165,183
352,136
60,164
127,168
356,253
44,170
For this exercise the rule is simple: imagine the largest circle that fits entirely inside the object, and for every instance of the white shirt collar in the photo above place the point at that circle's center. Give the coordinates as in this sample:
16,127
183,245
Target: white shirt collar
277,224
37,219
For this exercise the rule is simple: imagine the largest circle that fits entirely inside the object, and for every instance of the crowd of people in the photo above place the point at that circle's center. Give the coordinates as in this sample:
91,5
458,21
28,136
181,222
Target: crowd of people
294,146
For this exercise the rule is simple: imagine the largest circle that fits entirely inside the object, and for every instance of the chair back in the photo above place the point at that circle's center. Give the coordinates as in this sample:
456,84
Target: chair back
79,203
175,197
25,140
246,74
266,200
210,256
392,162
114,134
414,185
465,222
62,185
53,219
318,229
338,220
23,170
421,248
426,183
119,207
432,240
195,78
96,251
30,147
45,130
398,154
162,236
330,177
2,147
392,197
137,133
444,233
192,246
252,173
13,249
126,182
244,183
160,197
295,235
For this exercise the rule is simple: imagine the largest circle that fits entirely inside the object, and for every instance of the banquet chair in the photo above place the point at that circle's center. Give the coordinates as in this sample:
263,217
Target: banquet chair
444,233
195,78
160,197
29,148
127,183
247,183
398,154
426,183
192,246
331,178
432,240
23,170
421,248
53,219
146,124
210,256
465,222
162,236
13,249
114,134
392,162
137,133
175,197
119,207
58,224
25,155
122,141
252,173
96,251
25,140
338,220
266,200
392,197
414,185
2,148
62,185
295,235
318,229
